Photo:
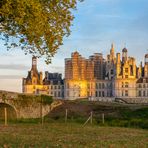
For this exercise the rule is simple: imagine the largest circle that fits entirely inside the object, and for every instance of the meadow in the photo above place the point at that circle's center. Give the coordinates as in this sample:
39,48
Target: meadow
125,126
67,135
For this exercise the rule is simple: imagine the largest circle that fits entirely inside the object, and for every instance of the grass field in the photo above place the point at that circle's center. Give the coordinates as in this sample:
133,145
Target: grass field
69,135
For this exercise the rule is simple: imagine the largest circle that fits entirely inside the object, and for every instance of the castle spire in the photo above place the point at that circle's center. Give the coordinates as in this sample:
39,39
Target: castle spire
112,52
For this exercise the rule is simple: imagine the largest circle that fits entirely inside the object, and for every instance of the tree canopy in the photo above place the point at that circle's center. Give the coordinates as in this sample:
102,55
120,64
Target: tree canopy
38,26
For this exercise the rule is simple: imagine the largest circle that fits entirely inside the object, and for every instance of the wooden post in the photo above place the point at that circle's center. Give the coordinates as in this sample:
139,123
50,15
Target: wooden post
41,111
87,121
103,118
66,114
5,112
91,117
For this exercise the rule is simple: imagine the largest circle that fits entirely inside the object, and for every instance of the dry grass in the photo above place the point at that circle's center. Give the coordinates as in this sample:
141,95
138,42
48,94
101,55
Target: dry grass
71,135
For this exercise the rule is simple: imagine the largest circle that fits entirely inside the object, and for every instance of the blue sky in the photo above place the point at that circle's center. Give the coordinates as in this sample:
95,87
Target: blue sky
97,24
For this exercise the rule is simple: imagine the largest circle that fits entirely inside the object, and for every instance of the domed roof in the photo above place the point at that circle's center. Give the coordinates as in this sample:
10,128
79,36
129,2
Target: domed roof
146,56
124,50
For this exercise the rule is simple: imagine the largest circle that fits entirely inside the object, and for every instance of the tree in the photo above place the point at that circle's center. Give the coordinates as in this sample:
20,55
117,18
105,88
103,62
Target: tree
38,26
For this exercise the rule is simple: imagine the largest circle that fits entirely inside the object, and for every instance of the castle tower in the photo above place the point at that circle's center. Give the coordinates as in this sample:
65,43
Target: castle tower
124,55
146,66
139,74
34,63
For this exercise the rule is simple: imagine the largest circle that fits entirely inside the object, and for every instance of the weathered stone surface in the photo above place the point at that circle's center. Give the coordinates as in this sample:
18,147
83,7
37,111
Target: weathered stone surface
23,109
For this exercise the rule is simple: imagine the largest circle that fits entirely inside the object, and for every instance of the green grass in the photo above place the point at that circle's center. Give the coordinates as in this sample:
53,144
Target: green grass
118,115
69,135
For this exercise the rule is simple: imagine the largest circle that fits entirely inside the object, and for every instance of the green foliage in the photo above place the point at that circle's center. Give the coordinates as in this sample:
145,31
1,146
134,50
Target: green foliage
39,25
24,99
46,99
4,97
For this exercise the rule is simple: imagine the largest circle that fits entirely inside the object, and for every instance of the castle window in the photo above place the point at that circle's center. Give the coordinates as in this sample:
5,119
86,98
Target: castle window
122,84
139,93
112,72
99,94
126,70
143,93
143,85
88,86
68,85
55,94
122,93
126,84
96,86
59,94
96,94
34,82
51,87
126,76
126,93
103,85
99,85
67,93
103,94
139,85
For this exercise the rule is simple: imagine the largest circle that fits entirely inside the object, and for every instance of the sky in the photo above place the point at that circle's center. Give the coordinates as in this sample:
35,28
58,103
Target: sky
97,24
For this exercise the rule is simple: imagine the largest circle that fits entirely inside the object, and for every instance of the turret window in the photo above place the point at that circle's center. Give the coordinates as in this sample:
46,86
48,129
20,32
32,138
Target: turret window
126,84
126,70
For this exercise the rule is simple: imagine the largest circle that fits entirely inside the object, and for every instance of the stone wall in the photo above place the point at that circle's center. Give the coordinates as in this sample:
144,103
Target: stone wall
29,106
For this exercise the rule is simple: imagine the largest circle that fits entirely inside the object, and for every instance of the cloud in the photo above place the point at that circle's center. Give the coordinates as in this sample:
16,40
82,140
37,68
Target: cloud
13,67
10,77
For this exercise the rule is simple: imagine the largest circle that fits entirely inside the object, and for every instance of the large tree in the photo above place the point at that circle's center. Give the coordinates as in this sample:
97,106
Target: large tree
38,26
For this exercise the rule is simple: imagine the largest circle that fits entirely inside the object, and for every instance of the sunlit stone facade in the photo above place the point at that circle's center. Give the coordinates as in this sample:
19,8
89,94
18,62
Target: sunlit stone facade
82,76
33,83
117,76
52,84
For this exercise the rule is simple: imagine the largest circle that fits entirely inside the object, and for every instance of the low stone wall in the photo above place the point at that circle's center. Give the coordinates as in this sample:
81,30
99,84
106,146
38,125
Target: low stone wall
136,100
102,99
133,100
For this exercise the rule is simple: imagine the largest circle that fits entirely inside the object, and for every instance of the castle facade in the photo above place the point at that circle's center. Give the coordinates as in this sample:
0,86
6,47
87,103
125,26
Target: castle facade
117,76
